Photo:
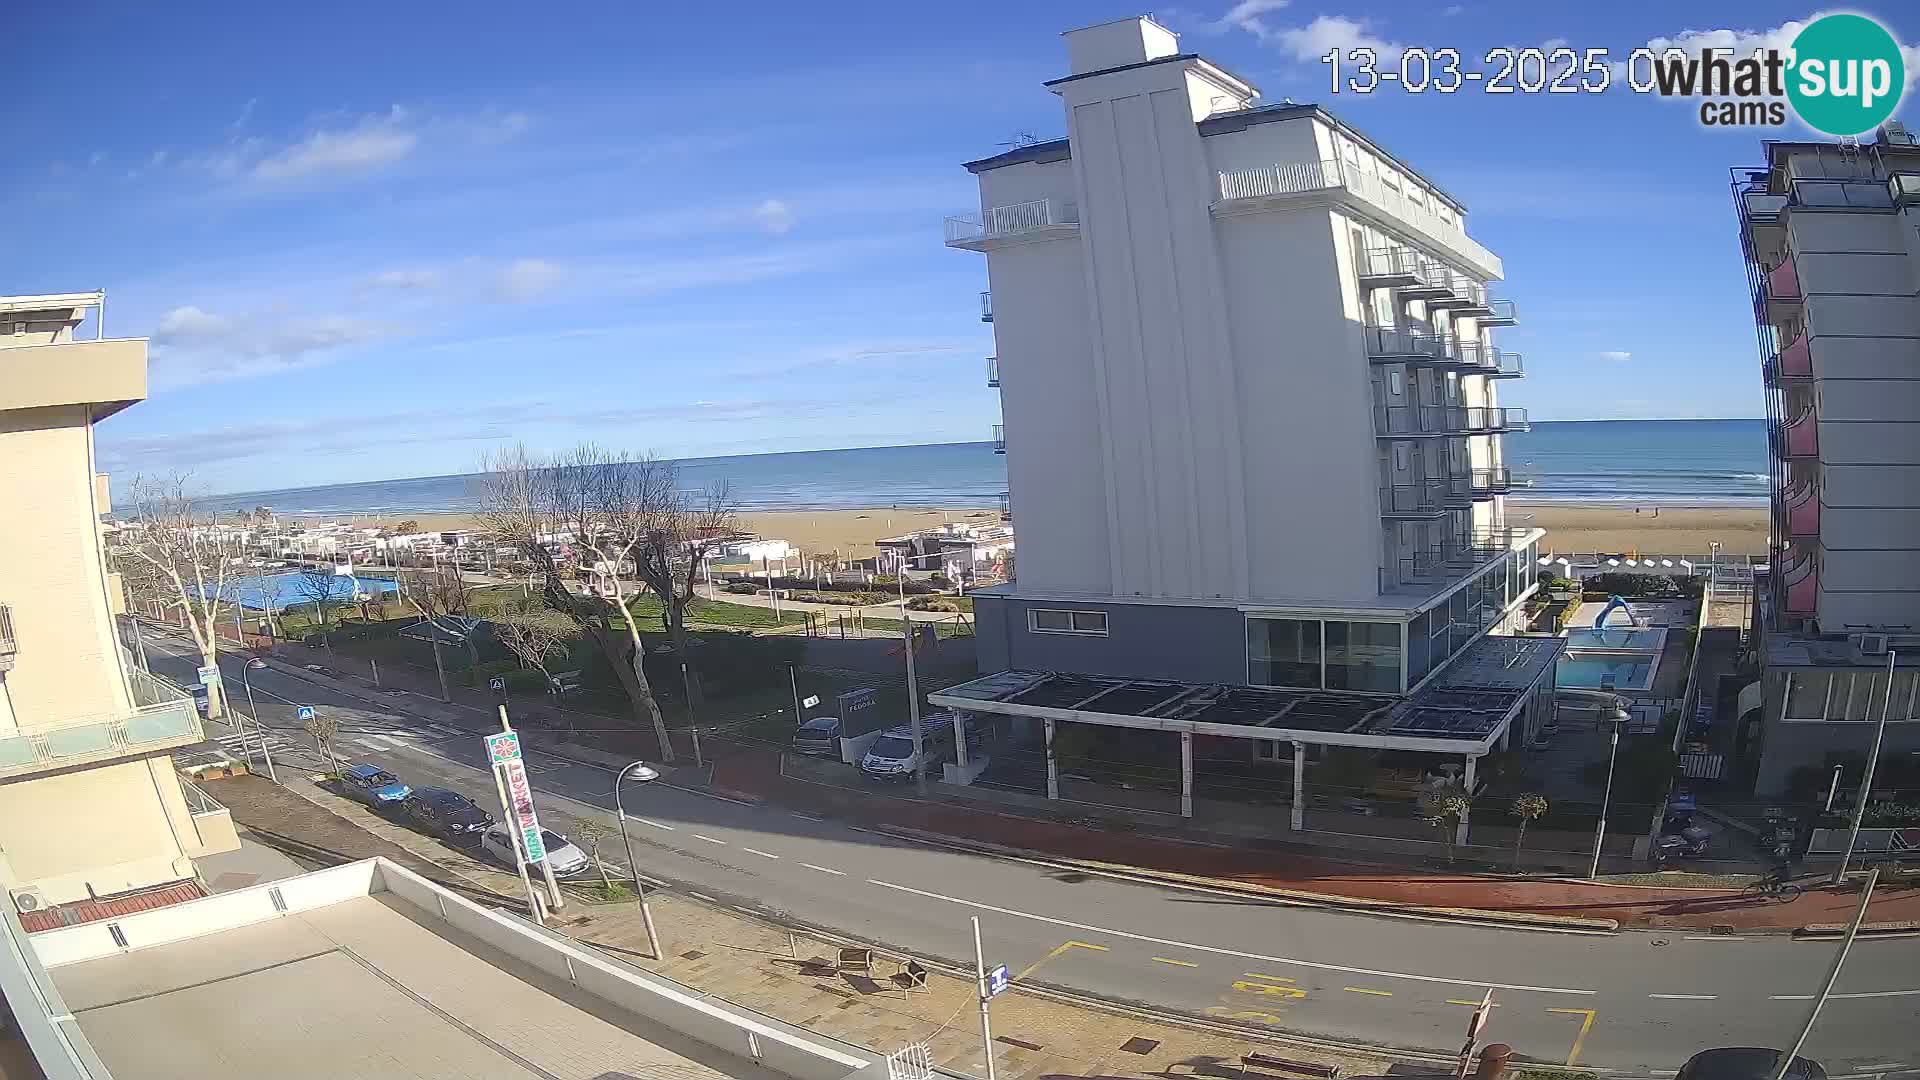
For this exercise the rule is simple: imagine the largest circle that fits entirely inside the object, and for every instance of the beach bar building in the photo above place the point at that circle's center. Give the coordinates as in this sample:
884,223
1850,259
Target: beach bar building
1829,234
1250,397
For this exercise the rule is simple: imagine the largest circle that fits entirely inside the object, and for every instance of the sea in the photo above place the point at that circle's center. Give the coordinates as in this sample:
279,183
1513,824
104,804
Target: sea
1639,462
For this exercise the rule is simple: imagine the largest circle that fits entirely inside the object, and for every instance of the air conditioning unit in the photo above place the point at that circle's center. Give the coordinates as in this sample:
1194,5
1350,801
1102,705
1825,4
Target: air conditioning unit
28,900
1894,133
1871,644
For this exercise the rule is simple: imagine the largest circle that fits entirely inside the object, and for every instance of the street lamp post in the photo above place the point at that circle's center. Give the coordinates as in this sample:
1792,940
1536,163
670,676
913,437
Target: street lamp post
1866,780
259,730
1618,718
642,771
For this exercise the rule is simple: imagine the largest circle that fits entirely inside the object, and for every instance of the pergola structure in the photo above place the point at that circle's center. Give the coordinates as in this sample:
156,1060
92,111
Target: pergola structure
1467,711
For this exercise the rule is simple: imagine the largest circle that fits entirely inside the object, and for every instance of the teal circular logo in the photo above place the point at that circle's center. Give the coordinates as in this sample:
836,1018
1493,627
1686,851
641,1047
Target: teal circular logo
1846,75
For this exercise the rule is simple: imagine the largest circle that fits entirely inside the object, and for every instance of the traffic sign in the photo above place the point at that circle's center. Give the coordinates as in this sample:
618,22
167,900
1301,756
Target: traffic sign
503,746
306,713
810,701
497,685
997,980
210,675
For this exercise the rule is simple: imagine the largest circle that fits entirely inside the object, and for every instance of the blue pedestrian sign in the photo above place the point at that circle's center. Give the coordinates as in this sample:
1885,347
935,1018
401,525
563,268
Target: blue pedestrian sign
997,980
306,713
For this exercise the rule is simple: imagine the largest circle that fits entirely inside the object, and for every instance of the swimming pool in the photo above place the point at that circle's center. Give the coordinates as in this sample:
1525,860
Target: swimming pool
1618,639
1588,671
256,591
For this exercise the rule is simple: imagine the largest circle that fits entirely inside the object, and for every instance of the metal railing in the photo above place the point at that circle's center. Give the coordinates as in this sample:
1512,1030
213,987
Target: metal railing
1481,418
150,728
1005,500
1428,497
1394,420
993,371
1392,262
1479,359
198,801
986,306
1299,177
1011,220
148,690
999,438
8,646
1495,481
1501,312
1389,341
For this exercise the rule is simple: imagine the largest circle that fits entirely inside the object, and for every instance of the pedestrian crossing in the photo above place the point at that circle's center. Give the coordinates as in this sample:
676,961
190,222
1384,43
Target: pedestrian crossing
348,741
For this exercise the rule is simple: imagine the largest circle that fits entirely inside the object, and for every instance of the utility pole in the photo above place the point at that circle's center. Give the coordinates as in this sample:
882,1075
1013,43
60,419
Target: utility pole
793,682
1833,975
1866,781
980,987
913,700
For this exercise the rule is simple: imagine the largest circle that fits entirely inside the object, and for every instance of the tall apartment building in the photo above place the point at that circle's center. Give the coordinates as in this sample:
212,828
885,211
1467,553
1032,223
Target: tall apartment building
90,803
1249,386
1831,232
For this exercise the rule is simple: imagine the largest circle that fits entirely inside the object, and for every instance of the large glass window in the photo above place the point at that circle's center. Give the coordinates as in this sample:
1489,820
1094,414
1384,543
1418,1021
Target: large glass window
1806,696
1284,652
1363,656
1419,660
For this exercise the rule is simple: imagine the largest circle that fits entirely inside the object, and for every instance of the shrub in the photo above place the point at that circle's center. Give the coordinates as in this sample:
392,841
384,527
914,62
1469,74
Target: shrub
941,603
742,588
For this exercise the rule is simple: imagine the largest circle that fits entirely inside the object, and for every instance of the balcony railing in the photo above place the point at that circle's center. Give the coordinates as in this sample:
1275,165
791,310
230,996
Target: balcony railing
1803,512
986,307
1464,297
1391,267
1302,177
1490,482
999,438
1005,500
1483,419
150,729
993,371
1903,188
1402,346
1783,281
1802,579
1801,437
8,647
1761,208
1499,313
1016,219
1427,499
1399,421
1478,359
1796,360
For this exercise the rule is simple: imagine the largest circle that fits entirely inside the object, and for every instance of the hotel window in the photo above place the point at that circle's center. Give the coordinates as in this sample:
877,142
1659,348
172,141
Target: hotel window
1807,696
1283,652
1363,656
1064,621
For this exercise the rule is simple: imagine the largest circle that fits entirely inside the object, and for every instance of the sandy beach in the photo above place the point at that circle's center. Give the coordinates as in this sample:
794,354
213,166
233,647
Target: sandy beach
1665,530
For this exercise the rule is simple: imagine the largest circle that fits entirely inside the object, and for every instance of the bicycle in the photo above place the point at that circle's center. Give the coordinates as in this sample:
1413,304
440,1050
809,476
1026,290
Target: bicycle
1773,888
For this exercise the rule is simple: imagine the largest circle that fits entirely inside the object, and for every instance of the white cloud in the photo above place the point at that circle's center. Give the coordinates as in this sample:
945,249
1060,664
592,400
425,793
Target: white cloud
1245,15
375,141
192,345
524,279
1312,41
1745,42
407,280
1617,356
1554,43
1452,9
774,216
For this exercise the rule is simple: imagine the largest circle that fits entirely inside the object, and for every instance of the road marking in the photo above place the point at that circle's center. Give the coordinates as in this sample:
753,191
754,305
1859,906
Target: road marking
1246,987
1035,966
745,910
1685,997
762,854
807,817
1468,1004
1883,1065
1586,1025
825,869
702,896
655,824
1364,990
1219,951
708,839
1175,963
1269,978
1861,994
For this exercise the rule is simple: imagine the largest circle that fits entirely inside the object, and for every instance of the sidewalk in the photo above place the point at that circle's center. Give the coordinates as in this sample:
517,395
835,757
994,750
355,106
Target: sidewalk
792,972
756,773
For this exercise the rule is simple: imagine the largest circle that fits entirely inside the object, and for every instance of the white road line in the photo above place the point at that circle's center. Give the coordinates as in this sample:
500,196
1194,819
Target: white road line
825,869
655,824
1714,937
805,817
762,854
702,896
1685,997
1883,1065
708,839
1836,997
1475,983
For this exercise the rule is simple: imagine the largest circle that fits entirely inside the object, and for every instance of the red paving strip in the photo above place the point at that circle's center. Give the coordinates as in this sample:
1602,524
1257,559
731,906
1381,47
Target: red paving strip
756,774
86,911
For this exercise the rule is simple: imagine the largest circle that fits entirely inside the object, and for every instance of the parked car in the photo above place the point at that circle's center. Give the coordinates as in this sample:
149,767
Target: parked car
891,756
200,701
447,813
819,736
563,855
374,786
1745,1063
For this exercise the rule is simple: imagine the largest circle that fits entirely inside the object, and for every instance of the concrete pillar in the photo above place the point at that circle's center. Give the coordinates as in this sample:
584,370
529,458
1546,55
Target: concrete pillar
1186,774
1460,831
960,745
1053,767
1299,821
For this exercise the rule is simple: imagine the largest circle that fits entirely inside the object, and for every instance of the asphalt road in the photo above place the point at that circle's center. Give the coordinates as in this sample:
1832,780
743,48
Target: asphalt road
1638,1000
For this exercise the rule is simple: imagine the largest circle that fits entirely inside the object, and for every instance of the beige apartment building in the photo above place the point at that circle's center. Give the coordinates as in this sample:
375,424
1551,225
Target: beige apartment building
91,806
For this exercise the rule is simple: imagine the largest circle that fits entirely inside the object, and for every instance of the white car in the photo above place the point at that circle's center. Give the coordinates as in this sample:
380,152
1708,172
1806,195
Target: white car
566,859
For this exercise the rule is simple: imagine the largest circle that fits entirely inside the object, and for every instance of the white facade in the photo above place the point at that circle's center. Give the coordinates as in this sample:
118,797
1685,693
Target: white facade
1244,355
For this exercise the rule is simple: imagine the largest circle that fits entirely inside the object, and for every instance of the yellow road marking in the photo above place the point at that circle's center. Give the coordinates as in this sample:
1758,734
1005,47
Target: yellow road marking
1242,1014
1175,963
1035,966
1269,978
1586,1025
1246,987
1458,1001
1364,990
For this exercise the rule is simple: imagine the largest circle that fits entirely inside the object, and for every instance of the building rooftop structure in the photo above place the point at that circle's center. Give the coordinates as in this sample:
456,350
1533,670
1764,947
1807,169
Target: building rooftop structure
368,970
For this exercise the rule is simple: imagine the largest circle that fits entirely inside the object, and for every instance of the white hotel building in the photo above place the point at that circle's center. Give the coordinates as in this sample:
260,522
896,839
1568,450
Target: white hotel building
1249,387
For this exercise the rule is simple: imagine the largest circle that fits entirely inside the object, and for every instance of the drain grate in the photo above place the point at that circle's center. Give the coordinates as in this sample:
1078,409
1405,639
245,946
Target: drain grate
692,954
1138,1045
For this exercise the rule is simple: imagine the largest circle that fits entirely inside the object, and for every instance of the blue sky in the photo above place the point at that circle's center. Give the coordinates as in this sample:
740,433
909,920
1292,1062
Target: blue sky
371,241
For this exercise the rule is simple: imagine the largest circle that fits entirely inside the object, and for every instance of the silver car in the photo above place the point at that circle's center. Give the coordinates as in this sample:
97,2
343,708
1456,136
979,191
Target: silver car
566,859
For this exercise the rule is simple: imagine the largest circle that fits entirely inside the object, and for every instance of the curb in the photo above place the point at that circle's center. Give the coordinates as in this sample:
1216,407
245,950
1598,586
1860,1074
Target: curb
1836,930
1564,924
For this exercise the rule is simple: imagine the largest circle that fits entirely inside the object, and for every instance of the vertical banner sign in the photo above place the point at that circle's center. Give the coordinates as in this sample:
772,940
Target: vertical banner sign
503,750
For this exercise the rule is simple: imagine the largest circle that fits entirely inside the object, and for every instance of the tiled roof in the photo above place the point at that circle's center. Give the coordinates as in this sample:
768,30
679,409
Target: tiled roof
112,907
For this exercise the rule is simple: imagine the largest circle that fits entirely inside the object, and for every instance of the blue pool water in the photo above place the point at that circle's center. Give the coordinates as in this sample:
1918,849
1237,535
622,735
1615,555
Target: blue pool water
281,590
1618,640
1629,672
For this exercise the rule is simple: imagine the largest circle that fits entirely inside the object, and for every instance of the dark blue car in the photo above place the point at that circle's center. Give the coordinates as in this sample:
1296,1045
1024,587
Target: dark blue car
374,786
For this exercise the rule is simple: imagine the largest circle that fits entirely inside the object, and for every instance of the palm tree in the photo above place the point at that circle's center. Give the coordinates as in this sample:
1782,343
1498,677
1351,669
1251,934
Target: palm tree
1443,806
1526,807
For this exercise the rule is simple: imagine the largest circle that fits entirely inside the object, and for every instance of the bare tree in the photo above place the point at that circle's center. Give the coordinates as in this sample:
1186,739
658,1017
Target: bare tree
677,530
181,550
1442,806
1527,807
593,500
323,729
318,585
438,594
591,834
535,636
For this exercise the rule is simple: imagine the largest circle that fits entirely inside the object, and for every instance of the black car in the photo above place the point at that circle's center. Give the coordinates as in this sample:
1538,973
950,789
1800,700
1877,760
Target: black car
1745,1063
447,813
819,736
